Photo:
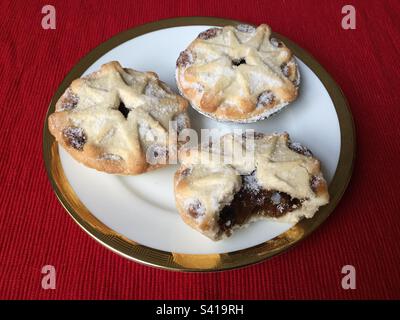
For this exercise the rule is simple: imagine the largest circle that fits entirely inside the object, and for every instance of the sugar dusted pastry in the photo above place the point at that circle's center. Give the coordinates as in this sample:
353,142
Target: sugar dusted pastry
239,73
270,178
117,120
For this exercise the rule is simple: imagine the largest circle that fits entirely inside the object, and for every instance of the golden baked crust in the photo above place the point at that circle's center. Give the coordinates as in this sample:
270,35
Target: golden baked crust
271,178
237,73
117,120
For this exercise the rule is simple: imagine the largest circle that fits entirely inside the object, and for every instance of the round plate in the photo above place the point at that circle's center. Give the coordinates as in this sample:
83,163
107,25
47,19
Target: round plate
135,216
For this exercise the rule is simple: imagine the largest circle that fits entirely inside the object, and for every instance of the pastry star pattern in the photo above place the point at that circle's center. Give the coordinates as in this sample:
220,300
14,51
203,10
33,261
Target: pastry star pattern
117,119
238,73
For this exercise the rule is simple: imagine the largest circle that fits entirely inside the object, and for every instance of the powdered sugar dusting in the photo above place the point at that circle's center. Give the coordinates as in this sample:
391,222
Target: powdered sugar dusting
153,90
70,100
245,28
181,122
276,198
75,137
145,131
299,148
265,98
110,156
195,208
250,183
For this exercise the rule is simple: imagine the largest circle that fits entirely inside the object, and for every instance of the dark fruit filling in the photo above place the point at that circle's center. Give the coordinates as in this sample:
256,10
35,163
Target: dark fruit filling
157,154
184,59
160,152
210,33
315,184
297,147
196,209
265,99
124,110
75,137
245,28
70,101
276,43
252,200
285,69
238,62
186,172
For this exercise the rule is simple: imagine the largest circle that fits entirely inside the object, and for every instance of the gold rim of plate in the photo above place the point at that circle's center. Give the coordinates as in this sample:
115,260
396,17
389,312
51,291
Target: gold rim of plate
198,262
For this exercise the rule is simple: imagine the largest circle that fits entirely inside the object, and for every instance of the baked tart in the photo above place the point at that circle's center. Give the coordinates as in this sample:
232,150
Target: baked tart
265,177
117,120
240,74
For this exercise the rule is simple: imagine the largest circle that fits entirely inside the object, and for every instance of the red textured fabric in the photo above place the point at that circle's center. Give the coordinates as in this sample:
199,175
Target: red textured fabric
364,230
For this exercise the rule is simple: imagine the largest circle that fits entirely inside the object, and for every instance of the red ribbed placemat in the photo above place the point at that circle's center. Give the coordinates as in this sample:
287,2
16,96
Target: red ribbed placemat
364,230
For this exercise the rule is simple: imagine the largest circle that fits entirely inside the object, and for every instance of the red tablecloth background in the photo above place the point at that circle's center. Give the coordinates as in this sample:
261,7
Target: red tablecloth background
364,230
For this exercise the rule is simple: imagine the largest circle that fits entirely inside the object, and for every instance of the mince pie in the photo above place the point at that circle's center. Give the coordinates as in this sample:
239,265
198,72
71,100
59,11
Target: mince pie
240,74
246,178
117,120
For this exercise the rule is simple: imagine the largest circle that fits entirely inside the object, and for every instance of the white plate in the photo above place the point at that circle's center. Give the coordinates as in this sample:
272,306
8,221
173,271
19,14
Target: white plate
142,208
